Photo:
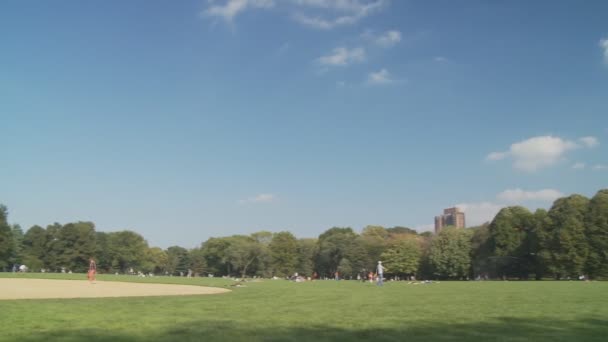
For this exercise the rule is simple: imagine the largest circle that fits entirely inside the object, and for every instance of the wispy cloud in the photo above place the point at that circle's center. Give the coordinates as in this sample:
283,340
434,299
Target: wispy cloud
600,167
380,77
440,59
604,47
578,166
539,152
261,198
386,39
231,8
519,195
318,14
342,12
342,56
589,141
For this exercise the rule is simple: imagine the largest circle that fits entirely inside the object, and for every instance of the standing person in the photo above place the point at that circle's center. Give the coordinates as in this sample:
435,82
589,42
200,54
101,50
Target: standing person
370,276
92,270
380,272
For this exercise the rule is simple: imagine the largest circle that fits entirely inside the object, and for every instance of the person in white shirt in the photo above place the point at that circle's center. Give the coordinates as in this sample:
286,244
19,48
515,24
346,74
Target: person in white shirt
380,273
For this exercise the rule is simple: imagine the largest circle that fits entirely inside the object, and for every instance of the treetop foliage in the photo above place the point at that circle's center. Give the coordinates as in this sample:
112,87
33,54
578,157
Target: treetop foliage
568,240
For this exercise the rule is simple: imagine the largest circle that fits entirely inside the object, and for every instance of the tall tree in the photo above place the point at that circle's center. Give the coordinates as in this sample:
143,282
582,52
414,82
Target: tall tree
6,239
307,249
284,253
127,249
177,260
567,245
482,263
34,247
509,239
242,252
336,244
216,254
17,252
375,241
403,255
156,261
77,245
54,248
596,231
449,253
198,263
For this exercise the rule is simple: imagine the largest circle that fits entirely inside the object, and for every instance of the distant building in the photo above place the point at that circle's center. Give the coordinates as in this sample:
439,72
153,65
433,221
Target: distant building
450,217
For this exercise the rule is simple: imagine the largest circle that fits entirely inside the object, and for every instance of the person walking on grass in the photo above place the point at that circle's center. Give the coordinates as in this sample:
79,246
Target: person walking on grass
380,273
92,271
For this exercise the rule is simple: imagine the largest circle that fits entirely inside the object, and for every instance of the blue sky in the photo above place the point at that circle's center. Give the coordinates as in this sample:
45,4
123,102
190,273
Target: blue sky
190,119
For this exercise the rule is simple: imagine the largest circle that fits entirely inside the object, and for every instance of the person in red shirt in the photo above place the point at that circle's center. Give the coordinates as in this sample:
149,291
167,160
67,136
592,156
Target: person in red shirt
92,270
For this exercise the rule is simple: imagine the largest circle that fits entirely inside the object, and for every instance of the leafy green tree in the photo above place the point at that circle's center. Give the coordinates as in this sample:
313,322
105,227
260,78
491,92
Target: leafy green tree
398,230
509,241
336,244
77,241
177,260
450,253
126,249
198,263
102,255
345,268
242,252
482,262
596,232
54,248
34,247
156,261
307,249
284,253
17,250
374,240
215,251
566,244
262,264
6,239
402,256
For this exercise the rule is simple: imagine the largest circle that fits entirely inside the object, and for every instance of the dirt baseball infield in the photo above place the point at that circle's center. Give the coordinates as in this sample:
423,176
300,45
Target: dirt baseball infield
43,288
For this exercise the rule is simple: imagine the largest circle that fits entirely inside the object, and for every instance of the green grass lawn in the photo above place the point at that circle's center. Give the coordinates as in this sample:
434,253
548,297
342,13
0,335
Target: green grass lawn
320,311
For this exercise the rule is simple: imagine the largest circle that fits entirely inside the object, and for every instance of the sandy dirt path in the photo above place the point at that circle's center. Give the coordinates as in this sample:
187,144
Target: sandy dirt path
11,288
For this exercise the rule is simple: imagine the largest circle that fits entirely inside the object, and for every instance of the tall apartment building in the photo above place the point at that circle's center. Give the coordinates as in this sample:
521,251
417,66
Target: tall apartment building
450,217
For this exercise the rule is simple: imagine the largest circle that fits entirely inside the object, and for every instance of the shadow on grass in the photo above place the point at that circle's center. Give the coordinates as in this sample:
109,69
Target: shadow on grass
501,329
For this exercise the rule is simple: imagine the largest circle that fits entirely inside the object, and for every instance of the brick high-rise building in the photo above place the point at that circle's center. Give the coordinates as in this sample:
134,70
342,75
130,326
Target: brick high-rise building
450,217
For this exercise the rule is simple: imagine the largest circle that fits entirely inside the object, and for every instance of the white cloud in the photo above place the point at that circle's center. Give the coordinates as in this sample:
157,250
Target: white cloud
342,56
440,59
320,14
604,47
519,195
497,155
578,166
386,39
589,141
261,198
231,8
600,167
343,12
479,213
380,77
539,152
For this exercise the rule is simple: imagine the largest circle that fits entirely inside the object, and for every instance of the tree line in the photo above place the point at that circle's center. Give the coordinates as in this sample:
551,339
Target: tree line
567,241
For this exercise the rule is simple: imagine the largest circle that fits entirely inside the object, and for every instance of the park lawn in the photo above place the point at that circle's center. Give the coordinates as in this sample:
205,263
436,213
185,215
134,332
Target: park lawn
278,310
